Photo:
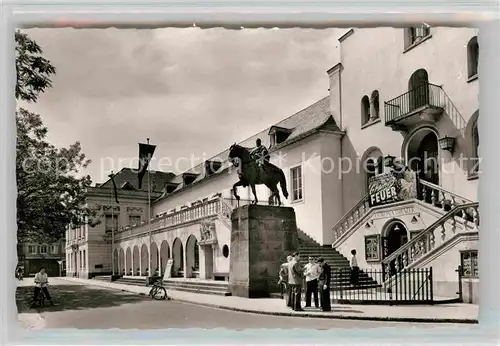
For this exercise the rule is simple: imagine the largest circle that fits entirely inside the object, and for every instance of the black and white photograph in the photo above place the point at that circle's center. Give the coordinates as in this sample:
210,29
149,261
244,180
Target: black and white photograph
247,178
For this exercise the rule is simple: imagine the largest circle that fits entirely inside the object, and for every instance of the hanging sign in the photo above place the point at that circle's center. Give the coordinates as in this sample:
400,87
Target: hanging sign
392,187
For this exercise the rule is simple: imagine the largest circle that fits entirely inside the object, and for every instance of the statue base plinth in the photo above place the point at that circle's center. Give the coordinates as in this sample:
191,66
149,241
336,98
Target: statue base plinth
261,238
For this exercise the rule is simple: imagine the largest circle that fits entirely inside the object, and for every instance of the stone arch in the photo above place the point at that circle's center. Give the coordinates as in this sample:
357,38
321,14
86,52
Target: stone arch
372,163
422,153
135,261
178,257
192,256
418,88
394,235
128,261
472,57
144,259
121,261
472,144
155,268
365,110
164,254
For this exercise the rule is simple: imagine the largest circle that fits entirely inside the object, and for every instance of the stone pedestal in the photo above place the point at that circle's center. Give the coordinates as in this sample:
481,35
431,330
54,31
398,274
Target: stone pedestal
261,238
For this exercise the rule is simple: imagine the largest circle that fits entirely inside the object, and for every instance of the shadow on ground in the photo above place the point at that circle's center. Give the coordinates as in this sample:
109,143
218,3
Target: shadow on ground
75,297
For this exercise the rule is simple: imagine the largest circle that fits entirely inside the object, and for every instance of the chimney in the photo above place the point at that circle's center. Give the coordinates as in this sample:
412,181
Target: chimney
334,75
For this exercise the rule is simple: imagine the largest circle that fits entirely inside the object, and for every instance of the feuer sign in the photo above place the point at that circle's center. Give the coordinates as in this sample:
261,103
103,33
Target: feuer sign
392,187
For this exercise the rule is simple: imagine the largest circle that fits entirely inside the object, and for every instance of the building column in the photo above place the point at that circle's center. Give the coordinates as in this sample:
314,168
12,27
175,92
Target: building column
159,260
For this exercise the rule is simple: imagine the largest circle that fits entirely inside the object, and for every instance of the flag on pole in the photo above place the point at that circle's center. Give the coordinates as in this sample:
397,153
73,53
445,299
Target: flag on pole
112,176
146,151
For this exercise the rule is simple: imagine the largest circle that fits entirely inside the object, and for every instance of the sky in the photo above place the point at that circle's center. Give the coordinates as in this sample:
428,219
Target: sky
192,91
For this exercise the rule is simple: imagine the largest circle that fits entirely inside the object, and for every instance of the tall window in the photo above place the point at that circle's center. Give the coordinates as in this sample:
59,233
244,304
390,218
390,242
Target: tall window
297,184
111,223
472,57
43,249
32,249
134,220
365,110
468,260
375,103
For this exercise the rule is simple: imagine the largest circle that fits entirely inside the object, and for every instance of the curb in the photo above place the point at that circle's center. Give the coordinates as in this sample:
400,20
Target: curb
313,315
338,317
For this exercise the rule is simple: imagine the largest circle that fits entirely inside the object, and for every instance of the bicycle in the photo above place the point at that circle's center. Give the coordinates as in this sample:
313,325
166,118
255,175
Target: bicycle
158,292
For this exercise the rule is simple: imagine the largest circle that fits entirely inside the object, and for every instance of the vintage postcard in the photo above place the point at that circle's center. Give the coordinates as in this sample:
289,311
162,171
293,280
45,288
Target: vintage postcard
250,178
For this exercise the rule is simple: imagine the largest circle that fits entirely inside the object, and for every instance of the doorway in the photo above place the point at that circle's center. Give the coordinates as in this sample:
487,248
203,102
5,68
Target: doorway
396,235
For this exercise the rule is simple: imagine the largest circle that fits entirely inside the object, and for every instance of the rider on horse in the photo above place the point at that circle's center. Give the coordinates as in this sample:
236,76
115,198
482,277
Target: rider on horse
260,153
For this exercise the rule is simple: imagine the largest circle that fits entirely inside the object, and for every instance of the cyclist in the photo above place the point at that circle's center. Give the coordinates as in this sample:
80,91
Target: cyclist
41,282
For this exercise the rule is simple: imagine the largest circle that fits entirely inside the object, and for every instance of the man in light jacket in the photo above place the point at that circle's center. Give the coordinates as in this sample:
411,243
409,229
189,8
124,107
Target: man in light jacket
311,271
41,282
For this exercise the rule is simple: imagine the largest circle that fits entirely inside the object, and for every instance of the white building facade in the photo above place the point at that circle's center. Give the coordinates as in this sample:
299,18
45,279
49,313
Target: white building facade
397,96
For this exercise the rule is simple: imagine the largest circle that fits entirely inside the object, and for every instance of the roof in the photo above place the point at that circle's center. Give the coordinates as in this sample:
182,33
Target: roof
314,117
129,175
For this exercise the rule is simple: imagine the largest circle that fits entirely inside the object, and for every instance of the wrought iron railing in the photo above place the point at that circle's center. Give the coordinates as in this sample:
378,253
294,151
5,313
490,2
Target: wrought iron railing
427,240
424,95
415,286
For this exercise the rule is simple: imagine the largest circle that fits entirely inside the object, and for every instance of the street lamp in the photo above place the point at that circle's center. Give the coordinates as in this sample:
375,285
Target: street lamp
447,143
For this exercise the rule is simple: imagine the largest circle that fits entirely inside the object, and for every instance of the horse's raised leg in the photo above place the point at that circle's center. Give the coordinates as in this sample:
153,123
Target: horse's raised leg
235,193
256,200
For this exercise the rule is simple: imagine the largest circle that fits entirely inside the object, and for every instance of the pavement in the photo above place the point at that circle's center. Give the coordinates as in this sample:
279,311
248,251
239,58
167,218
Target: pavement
441,313
91,304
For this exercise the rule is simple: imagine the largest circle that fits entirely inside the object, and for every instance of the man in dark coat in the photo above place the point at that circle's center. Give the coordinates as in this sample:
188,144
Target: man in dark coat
324,282
295,278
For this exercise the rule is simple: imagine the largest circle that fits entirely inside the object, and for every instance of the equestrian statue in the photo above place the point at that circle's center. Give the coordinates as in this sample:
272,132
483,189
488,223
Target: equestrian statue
254,168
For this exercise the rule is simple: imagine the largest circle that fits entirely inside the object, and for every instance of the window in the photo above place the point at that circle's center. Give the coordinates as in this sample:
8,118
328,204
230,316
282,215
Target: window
43,249
372,247
134,220
468,261
111,223
32,249
416,34
375,105
225,251
365,110
472,57
297,183
54,249
83,260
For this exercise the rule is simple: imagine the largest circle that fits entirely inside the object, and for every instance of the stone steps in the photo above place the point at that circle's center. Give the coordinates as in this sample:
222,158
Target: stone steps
198,287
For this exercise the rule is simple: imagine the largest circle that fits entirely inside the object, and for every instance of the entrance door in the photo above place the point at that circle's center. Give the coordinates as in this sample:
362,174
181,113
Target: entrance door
418,89
396,236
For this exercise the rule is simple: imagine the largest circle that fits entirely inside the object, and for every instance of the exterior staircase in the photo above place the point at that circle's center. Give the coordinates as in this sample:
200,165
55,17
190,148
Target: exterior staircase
338,263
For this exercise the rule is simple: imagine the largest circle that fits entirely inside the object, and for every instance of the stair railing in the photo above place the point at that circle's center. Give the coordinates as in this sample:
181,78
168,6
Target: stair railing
350,218
427,240
437,195
453,113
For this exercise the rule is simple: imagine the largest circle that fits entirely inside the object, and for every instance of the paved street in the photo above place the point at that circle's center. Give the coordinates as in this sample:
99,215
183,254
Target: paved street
85,306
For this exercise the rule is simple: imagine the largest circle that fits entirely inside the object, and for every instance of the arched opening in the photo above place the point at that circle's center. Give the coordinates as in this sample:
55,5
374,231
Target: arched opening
365,110
144,259
135,261
373,164
192,257
375,102
418,89
472,57
164,255
178,257
472,143
396,235
128,260
422,155
154,260
121,261
115,262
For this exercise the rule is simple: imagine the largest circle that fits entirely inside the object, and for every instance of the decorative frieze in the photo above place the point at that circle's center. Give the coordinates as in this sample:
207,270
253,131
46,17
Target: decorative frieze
108,209
208,235
135,210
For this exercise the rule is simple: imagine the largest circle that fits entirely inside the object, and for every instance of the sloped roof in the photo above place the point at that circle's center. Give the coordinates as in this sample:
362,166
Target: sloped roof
311,118
129,175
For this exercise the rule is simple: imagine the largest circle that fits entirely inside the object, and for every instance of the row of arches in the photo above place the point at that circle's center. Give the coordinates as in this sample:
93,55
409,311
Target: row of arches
134,260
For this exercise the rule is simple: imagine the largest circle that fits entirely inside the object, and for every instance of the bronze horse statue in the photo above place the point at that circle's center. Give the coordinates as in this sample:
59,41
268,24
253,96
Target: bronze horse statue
251,173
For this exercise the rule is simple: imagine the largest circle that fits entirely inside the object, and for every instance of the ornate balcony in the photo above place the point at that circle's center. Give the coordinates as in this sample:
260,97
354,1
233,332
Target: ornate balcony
423,103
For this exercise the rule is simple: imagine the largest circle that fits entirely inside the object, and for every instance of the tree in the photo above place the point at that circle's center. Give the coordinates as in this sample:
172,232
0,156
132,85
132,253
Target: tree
50,194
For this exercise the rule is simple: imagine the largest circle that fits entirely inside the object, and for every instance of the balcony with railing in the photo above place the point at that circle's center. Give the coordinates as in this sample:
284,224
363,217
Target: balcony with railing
423,103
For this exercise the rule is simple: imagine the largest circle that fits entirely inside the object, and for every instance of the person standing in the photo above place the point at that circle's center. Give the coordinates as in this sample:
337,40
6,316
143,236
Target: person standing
324,284
311,271
354,268
283,280
295,277
41,282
